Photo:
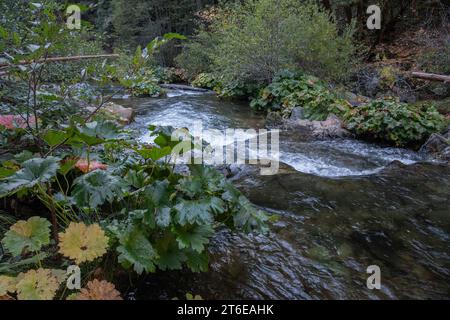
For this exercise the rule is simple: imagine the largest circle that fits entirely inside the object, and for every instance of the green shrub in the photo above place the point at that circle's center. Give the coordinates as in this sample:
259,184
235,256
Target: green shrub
398,123
234,89
251,42
205,80
142,85
291,90
196,57
75,43
260,38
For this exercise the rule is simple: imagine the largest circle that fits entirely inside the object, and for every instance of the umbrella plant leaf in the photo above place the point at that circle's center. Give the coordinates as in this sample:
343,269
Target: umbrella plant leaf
40,284
163,217
171,257
97,187
194,237
83,243
7,285
194,211
197,262
31,235
34,171
55,137
136,250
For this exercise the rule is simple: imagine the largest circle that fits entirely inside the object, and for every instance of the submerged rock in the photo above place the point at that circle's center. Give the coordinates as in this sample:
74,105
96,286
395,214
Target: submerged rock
438,146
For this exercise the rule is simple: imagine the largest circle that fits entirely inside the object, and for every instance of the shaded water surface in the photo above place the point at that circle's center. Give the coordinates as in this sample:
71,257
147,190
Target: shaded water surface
343,205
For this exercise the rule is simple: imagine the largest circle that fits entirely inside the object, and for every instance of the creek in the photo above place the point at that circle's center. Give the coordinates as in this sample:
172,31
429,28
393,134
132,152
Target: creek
343,205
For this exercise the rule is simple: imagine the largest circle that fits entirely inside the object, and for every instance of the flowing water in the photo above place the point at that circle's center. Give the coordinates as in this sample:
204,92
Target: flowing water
343,205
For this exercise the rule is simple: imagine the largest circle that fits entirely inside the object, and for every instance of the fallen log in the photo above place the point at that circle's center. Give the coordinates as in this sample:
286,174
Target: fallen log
430,76
61,59
183,87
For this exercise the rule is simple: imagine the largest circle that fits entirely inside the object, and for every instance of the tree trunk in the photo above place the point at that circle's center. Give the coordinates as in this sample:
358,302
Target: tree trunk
430,76
62,59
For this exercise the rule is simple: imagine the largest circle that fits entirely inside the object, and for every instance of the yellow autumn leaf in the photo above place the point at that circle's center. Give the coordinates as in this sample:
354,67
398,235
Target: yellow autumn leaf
7,284
83,243
99,290
40,284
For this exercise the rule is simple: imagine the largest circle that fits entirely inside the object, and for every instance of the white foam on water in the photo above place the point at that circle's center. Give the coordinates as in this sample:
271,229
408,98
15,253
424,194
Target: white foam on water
331,158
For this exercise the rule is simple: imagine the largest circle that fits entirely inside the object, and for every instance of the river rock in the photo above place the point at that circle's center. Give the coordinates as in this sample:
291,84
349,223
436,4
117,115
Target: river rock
297,113
332,127
124,115
438,146
274,120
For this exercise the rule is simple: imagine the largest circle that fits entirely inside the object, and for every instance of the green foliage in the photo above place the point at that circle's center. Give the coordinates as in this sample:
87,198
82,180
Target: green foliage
175,219
35,171
144,20
83,42
397,123
97,187
196,57
31,235
139,75
251,42
389,121
142,86
169,218
291,90
205,80
136,250
154,216
435,54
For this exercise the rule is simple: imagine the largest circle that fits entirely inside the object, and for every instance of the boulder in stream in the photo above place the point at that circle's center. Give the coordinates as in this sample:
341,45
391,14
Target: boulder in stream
332,127
124,115
438,146
297,114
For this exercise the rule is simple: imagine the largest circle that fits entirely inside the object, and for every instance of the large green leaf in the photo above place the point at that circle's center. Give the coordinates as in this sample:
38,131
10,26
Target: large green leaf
158,193
31,235
198,211
103,129
248,218
136,251
34,171
193,236
202,180
163,217
154,153
136,179
97,187
55,137
197,262
93,133
170,255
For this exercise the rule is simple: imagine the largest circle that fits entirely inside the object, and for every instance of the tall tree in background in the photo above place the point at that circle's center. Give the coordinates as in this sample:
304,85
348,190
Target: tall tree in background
139,22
